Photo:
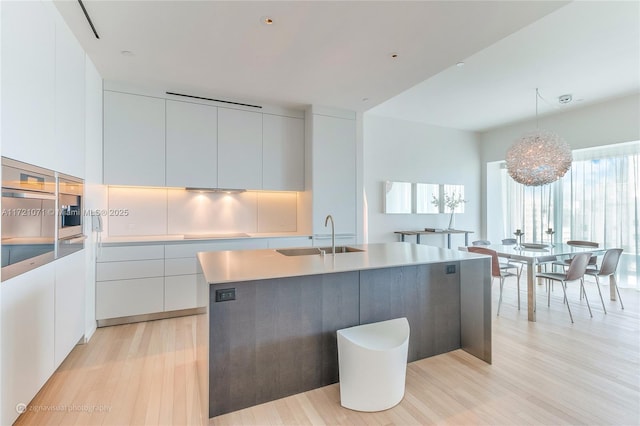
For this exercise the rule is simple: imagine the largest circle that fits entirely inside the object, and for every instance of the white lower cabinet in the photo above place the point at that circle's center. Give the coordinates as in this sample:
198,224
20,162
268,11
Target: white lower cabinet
27,337
129,281
180,292
69,303
43,317
123,298
151,279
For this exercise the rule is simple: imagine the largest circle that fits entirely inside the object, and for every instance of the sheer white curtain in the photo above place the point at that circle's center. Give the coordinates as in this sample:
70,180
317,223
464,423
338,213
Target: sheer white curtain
597,200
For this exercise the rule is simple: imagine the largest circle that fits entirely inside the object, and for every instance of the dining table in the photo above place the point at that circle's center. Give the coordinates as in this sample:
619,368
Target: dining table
531,253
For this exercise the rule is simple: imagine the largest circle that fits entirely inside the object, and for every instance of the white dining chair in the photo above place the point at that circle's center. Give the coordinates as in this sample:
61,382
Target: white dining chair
576,271
607,268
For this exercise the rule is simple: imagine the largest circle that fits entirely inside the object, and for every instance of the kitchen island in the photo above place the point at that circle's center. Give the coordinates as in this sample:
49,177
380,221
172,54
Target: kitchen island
270,325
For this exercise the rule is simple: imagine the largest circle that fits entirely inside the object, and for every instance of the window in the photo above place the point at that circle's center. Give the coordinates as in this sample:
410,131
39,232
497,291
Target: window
597,200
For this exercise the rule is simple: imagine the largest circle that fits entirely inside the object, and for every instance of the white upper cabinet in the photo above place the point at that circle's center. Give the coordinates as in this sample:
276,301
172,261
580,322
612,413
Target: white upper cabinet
192,145
150,140
28,83
134,140
334,173
239,149
69,102
283,153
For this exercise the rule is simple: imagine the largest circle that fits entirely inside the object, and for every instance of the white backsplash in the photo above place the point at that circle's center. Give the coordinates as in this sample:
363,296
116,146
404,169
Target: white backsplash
163,211
277,211
146,207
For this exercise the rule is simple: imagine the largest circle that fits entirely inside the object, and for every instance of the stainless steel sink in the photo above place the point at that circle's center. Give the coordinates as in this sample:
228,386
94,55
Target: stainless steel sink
317,251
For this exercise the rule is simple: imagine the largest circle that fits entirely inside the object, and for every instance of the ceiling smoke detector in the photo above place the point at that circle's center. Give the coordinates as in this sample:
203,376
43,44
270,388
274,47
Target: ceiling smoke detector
565,99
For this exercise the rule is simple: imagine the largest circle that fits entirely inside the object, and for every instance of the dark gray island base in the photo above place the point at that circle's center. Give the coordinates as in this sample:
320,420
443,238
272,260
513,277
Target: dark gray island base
278,336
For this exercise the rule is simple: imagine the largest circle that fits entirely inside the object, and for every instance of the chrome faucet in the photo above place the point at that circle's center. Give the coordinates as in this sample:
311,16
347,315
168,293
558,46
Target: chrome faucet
333,233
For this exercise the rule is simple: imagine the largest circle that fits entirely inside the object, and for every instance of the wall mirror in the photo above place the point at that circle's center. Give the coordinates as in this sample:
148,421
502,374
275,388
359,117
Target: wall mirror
425,193
397,197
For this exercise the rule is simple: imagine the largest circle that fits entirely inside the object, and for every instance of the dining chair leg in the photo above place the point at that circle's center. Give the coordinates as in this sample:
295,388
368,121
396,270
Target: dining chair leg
548,295
564,290
518,284
619,298
500,300
600,293
583,291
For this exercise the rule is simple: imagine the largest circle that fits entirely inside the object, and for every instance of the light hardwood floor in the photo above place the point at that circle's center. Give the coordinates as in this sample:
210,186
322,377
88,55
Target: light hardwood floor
549,372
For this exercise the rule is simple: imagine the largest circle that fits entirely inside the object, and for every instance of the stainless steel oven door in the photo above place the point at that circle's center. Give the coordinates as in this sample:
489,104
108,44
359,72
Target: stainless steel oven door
70,245
70,205
28,218
28,234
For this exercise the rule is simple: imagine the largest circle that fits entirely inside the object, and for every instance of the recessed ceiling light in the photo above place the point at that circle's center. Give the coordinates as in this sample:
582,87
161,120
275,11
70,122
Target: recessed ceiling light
394,55
460,64
126,53
266,20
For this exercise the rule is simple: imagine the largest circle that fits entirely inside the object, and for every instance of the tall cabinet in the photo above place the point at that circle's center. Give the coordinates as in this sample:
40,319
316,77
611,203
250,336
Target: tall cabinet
134,141
333,174
43,123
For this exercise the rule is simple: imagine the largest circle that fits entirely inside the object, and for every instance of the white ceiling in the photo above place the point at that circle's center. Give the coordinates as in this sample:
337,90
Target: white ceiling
325,53
588,49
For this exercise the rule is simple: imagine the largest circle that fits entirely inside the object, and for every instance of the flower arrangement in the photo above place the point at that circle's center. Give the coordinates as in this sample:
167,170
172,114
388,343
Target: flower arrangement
451,202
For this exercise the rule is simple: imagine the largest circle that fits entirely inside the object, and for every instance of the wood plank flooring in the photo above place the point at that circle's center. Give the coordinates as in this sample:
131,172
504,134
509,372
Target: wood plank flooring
550,372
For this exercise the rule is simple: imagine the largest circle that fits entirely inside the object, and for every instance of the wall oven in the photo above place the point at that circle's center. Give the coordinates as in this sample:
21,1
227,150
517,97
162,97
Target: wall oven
41,216
28,217
70,205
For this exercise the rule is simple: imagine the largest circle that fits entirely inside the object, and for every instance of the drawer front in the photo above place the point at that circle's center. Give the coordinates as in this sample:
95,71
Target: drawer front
122,253
124,298
180,292
181,266
190,250
129,270
290,242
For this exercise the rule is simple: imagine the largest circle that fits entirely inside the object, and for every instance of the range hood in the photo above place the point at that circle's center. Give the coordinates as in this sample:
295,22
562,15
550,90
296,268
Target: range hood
216,190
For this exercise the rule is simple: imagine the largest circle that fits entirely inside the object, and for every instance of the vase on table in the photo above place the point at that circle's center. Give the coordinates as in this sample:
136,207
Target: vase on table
451,221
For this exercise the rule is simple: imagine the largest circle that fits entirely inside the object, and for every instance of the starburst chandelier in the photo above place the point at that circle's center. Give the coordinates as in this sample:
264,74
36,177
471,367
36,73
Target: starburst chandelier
539,157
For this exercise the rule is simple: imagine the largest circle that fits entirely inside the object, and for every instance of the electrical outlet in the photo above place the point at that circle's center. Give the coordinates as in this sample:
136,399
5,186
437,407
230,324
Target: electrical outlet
451,269
225,294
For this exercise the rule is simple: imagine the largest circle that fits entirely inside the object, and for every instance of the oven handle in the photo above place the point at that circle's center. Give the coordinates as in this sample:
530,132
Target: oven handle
31,195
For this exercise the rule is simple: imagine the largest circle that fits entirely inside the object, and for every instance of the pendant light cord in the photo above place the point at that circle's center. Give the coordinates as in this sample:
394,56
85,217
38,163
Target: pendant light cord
537,96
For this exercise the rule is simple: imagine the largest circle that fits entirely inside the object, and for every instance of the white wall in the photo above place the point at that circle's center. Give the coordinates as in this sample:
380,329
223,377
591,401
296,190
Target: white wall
605,123
398,150
95,193
610,122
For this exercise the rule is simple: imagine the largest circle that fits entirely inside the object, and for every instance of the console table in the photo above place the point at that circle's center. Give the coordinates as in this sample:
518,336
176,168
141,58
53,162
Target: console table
437,232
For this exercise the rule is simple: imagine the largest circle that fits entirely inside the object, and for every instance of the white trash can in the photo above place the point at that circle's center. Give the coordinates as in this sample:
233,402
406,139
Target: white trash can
372,360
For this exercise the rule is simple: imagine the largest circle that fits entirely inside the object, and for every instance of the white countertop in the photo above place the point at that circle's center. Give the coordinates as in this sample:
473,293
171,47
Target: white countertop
248,265
159,239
